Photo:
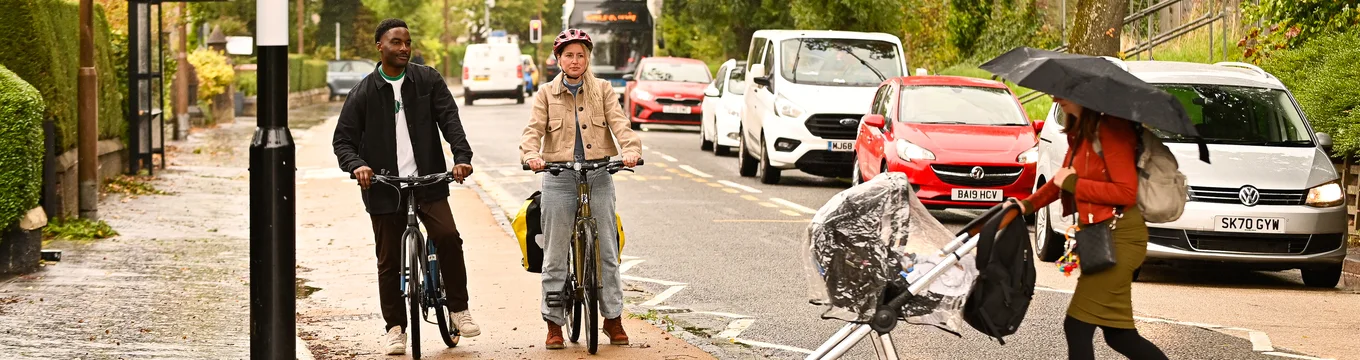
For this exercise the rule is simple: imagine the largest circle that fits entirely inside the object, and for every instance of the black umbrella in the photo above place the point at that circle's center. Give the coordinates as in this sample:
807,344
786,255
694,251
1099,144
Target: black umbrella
1097,84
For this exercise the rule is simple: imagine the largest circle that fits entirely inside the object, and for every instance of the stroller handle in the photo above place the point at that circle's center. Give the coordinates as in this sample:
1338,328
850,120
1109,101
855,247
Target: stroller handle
973,227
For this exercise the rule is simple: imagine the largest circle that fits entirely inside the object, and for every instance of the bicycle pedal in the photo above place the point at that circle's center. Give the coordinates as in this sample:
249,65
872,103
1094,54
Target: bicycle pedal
555,299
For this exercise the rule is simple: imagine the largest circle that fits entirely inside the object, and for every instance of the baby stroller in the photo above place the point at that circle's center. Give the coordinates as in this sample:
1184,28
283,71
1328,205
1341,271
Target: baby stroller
877,257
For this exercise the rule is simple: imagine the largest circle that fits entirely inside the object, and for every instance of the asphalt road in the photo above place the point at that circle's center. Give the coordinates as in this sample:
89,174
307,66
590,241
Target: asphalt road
718,255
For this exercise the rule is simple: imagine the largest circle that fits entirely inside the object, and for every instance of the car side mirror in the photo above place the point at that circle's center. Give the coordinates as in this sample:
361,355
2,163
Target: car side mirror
872,120
1324,141
1038,125
758,75
628,77
712,92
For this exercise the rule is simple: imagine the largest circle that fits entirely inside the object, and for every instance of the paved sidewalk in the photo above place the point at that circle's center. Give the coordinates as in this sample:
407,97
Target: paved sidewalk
341,318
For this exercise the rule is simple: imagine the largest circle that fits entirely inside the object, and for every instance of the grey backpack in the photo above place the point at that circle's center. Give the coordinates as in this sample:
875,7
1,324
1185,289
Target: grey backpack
1162,190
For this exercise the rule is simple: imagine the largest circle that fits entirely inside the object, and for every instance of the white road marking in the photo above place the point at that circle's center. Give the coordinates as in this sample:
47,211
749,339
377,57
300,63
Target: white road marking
1069,292
626,257
656,300
740,186
654,281
772,346
722,314
1260,341
735,328
694,171
794,205
790,212
1280,354
669,158
629,265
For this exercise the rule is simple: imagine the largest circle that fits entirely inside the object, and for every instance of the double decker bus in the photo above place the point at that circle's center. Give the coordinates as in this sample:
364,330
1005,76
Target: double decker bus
623,33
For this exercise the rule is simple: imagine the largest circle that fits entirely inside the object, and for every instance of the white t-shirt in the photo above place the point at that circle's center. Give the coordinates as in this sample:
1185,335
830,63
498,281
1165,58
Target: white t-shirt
406,155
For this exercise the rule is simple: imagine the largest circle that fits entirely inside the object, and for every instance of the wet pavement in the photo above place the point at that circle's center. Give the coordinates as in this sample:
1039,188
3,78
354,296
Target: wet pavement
172,285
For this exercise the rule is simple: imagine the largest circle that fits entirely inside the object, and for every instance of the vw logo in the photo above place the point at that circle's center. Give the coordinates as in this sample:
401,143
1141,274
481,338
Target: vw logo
1249,195
977,173
849,122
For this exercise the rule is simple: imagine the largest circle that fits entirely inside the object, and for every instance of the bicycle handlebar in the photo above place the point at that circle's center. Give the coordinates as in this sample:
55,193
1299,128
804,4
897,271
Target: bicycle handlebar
414,181
555,168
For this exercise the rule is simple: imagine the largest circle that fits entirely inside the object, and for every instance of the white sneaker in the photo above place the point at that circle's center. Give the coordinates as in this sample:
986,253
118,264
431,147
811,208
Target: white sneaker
462,321
396,341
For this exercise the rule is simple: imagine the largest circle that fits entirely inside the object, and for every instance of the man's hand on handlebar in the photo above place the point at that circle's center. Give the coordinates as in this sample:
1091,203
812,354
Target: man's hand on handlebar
536,164
364,175
631,160
461,172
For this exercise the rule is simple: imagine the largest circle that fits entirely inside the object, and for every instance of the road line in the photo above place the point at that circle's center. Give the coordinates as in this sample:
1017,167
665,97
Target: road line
1260,341
654,281
1280,354
769,205
772,346
716,185
1069,292
694,171
656,300
740,186
700,180
719,313
660,165
735,328
629,265
627,257
790,212
673,170
687,176
663,177
794,205
730,190
757,221
669,158
749,197
639,178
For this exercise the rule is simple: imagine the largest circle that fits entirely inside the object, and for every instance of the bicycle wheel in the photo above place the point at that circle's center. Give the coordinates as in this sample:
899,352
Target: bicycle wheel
574,319
414,291
592,295
438,302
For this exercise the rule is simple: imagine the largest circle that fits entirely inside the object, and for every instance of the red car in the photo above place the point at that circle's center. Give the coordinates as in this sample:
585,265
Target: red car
962,142
666,90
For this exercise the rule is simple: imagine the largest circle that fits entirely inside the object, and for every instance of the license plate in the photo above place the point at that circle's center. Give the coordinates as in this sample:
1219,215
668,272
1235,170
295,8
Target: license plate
977,195
481,78
1249,224
675,109
840,145
618,82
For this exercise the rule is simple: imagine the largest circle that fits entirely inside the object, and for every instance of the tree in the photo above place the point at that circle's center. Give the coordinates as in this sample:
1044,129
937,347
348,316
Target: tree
1098,26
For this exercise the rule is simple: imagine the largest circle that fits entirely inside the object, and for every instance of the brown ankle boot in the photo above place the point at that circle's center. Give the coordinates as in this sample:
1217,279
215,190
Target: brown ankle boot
613,328
554,337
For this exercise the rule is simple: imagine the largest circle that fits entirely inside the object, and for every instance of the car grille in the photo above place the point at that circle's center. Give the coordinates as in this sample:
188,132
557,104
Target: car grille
992,175
826,163
828,126
1229,196
1248,243
675,117
669,101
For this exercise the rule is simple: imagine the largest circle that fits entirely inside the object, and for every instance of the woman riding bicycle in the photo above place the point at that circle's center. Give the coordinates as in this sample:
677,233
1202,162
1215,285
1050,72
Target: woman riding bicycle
577,118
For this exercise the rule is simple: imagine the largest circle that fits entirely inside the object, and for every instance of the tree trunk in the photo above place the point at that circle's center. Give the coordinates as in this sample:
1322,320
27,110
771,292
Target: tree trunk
1098,26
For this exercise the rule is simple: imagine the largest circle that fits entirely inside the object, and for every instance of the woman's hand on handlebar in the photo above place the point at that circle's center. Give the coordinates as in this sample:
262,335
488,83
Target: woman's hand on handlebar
536,164
631,160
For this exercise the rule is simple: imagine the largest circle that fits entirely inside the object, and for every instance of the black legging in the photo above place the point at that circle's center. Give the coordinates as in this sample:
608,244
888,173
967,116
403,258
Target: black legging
1081,339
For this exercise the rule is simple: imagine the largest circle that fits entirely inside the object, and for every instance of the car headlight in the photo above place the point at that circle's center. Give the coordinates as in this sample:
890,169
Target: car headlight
908,151
1029,156
1326,195
785,107
643,95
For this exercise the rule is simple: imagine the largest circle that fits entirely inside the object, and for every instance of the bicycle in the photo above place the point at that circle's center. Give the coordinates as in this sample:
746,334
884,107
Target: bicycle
582,288
426,290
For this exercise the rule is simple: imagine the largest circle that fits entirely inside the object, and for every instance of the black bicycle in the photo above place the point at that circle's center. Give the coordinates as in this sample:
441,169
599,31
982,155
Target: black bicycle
420,279
582,288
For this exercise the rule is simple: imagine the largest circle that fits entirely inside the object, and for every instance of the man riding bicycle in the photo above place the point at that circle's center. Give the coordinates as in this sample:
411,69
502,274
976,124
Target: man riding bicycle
577,118
390,125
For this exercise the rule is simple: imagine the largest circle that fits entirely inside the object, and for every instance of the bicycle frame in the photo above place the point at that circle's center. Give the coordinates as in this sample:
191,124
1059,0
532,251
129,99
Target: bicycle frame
584,224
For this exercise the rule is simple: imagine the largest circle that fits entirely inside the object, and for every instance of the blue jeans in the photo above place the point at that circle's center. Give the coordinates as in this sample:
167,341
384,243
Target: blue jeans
559,219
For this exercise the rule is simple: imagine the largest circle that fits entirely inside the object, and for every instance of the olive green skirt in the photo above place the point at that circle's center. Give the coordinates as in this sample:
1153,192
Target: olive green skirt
1106,298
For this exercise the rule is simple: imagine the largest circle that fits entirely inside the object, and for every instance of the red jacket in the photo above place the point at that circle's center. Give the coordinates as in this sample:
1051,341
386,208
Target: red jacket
1102,183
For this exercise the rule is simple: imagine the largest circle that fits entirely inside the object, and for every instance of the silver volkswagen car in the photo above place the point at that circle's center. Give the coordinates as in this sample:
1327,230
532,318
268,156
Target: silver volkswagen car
1270,200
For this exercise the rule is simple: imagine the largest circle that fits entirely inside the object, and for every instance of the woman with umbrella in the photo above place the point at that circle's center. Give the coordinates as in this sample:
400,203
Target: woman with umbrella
1099,181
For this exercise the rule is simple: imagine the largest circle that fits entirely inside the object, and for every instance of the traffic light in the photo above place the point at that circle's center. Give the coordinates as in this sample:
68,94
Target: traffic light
535,31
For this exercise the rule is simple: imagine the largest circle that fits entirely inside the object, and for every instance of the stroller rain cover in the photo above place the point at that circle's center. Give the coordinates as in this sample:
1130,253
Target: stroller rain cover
871,241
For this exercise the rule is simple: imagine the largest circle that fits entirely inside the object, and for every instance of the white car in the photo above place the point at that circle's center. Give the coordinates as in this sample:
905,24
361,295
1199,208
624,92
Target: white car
723,101
1270,199
805,94
492,71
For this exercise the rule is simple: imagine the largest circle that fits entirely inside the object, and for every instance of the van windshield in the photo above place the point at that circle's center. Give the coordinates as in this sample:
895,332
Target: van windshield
1240,116
839,62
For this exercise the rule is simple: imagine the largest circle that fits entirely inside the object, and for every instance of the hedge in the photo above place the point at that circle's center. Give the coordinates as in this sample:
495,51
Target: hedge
41,40
305,73
1322,75
21,147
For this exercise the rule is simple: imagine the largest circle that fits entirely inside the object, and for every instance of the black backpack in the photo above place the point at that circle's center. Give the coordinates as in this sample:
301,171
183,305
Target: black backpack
1005,283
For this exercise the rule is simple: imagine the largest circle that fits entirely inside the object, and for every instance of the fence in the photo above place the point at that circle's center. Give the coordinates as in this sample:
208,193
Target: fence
1349,171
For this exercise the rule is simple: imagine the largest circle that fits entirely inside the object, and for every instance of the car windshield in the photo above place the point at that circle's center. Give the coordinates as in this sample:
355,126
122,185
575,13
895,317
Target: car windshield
736,82
677,72
1240,116
966,105
839,62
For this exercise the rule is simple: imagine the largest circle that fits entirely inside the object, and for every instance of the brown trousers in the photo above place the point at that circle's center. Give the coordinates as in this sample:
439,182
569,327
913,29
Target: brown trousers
442,231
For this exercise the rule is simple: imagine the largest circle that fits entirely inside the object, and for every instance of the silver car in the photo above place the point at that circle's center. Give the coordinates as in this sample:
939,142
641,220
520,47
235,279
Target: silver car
341,75
1270,200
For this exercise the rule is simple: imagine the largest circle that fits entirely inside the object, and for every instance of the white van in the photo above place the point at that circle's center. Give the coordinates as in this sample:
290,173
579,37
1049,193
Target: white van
492,71
1270,199
805,94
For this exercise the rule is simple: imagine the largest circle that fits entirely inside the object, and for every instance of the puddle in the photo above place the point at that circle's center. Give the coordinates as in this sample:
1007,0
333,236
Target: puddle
303,290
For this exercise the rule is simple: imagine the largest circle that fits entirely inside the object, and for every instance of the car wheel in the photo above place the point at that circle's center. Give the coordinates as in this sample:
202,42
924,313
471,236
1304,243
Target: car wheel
855,177
467,99
1048,245
704,143
519,99
768,174
1323,277
746,165
720,150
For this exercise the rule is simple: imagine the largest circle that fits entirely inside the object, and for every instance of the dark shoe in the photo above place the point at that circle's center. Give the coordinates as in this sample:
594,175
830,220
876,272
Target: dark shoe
613,328
554,337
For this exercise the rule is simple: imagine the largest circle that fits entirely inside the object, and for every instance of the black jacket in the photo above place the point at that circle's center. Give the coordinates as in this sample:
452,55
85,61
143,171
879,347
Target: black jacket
366,133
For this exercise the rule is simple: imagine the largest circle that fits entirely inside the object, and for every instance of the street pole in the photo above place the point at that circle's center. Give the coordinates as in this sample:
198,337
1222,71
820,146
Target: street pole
87,131
273,205
337,40
444,39
300,15
182,75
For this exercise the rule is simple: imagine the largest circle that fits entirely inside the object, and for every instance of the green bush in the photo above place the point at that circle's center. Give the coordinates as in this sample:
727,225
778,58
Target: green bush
305,73
21,147
1322,74
41,41
246,83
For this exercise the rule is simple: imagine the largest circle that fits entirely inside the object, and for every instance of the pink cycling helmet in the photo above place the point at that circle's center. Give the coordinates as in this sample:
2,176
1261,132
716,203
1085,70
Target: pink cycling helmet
570,36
